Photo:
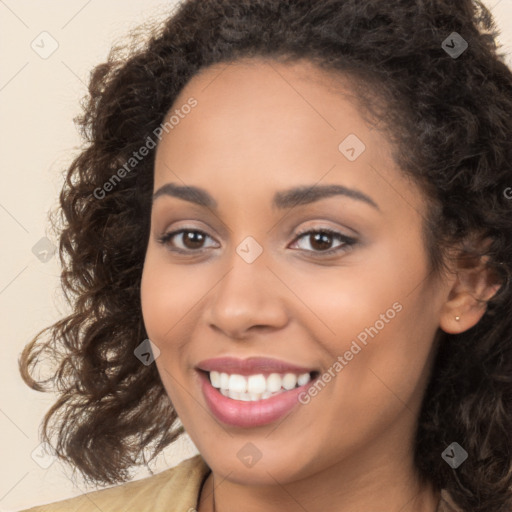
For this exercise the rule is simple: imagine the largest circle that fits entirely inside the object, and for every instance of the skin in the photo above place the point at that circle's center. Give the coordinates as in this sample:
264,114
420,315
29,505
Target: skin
260,127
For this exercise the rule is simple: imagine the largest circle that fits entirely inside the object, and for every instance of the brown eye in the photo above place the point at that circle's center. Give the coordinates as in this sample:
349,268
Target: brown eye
320,241
188,240
192,239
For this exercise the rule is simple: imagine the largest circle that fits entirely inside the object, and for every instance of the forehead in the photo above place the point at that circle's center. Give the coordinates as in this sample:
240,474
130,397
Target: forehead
266,91
259,122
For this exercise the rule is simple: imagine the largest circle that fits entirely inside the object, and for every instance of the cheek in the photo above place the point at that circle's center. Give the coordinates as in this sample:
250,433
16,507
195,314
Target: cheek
168,295
373,315
339,303
158,300
163,305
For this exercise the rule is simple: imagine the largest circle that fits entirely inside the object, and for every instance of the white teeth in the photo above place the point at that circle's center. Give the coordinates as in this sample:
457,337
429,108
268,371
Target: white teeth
215,379
256,387
303,379
224,381
237,383
274,382
289,381
256,384
235,395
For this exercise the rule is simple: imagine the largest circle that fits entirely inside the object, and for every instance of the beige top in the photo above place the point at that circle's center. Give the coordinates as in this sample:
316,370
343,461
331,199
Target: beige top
173,490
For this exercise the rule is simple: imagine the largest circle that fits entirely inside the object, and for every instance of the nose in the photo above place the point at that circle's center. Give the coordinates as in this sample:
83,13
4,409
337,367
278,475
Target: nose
247,299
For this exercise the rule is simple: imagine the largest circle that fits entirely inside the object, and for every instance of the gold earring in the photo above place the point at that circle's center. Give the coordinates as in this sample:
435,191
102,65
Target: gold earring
457,318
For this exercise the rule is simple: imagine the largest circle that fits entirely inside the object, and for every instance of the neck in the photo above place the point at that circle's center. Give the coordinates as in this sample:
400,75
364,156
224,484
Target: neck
397,493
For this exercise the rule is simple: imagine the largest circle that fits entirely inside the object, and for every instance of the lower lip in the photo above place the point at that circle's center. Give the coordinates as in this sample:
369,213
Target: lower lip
249,414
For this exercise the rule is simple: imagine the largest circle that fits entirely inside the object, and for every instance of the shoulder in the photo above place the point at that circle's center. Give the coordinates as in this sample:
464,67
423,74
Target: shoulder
171,490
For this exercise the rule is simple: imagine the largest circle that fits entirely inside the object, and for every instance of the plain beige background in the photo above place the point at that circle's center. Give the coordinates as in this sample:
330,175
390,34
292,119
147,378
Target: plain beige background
39,96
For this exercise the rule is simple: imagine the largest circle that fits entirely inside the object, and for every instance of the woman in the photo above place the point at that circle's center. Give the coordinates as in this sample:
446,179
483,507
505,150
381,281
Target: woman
290,235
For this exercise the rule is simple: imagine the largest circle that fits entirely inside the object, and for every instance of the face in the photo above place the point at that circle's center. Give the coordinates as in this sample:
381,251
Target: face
331,286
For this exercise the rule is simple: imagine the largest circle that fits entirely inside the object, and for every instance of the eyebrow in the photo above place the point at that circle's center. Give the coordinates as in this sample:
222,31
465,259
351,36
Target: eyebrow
282,199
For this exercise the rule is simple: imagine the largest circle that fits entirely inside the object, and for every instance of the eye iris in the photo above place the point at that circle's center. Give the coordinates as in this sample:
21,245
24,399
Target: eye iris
322,238
193,237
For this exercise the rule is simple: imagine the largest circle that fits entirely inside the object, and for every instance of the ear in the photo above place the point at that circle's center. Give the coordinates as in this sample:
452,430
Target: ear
475,284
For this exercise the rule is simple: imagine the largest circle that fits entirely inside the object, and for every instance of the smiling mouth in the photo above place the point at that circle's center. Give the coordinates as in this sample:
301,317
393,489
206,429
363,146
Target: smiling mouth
258,386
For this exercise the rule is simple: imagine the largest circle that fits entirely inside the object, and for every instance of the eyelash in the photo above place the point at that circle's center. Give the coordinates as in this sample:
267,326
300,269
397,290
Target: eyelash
347,241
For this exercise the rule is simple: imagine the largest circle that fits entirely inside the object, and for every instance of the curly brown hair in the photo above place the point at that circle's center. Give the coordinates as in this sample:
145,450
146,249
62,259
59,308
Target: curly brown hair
450,121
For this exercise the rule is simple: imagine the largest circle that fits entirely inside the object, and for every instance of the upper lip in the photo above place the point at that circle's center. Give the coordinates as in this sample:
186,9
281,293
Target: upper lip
250,366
